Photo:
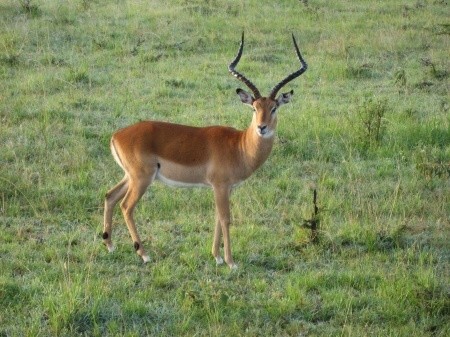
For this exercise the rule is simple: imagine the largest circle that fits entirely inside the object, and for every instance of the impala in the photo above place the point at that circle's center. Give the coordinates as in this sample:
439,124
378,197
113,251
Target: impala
219,157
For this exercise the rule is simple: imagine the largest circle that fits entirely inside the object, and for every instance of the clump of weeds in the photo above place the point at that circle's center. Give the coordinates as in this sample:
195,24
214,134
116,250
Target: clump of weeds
370,124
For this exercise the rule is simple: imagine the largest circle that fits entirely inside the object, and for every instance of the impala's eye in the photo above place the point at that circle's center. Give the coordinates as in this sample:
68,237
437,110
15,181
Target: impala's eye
273,110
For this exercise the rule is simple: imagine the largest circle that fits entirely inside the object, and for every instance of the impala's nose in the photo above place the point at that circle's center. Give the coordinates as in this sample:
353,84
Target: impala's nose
262,129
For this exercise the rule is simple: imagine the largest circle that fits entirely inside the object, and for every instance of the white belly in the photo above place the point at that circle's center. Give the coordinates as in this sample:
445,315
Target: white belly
176,183
177,175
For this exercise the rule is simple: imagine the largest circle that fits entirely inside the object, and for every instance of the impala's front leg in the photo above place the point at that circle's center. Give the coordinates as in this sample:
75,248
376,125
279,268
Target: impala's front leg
216,241
222,199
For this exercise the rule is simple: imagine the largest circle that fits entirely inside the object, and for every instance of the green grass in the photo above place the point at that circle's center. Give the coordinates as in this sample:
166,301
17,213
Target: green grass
368,127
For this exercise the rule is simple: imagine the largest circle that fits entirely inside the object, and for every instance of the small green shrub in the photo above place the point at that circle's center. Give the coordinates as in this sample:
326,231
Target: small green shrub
369,126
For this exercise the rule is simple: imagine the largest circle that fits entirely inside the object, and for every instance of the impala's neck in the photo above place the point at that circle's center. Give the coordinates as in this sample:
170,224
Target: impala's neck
256,148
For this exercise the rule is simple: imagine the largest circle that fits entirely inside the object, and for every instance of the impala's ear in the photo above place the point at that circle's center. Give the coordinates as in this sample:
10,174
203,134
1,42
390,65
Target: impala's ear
284,98
246,98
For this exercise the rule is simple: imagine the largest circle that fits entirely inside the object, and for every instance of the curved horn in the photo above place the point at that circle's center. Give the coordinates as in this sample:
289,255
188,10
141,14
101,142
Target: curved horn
238,75
289,78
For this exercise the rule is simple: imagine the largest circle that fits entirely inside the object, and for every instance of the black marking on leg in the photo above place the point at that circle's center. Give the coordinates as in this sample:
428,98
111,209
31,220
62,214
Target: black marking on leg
136,245
159,165
105,236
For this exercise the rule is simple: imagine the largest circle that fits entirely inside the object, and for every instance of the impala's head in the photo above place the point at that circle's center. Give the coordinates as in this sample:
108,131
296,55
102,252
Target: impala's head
264,111
265,108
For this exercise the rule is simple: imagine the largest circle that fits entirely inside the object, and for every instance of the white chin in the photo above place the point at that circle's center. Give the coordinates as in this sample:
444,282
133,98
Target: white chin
265,135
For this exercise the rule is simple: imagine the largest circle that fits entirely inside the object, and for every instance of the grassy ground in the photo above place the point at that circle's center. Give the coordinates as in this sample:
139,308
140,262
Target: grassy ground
368,127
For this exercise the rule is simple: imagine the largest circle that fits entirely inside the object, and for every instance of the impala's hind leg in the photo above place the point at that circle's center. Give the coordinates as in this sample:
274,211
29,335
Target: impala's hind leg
111,199
136,188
